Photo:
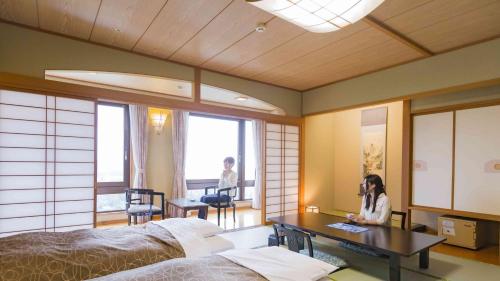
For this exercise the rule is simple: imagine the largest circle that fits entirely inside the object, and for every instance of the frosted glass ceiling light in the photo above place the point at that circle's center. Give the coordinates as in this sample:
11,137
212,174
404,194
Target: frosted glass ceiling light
319,15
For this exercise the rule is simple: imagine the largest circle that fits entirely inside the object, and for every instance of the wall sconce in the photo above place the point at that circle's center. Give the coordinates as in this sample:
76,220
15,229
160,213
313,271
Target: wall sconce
158,120
312,209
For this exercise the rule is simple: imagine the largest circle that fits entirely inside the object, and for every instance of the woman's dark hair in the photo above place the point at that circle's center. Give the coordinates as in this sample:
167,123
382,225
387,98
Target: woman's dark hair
379,189
229,160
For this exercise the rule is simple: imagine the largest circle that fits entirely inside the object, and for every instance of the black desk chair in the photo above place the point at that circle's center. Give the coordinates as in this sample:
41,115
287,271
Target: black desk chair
222,199
140,202
403,218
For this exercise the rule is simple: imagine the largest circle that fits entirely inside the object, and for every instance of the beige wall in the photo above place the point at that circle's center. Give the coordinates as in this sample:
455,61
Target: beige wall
332,159
160,163
29,52
464,66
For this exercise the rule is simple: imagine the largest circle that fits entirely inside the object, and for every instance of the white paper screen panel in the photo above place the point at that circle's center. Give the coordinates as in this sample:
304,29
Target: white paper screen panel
46,163
433,160
282,169
477,160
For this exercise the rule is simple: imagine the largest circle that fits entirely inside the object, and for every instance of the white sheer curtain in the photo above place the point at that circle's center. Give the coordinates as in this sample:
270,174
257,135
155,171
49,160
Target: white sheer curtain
139,142
180,121
257,140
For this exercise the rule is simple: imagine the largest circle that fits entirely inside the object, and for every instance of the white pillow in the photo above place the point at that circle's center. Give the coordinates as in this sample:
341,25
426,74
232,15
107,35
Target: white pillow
202,227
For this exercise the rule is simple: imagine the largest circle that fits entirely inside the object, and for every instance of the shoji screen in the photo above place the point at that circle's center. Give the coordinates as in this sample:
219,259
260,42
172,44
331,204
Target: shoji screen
477,160
282,169
46,163
432,160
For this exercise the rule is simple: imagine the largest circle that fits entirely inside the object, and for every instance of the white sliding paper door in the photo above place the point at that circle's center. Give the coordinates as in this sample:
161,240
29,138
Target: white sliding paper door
282,169
477,160
46,163
432,160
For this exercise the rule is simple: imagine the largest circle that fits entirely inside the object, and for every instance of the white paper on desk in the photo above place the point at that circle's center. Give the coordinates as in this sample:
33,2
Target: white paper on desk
449,230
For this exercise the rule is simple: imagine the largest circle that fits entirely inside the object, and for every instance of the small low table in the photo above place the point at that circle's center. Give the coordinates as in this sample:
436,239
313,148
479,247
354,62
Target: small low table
185,205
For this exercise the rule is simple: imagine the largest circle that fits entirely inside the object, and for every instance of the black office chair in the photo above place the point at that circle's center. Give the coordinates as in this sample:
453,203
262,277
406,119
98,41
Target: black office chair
403,218
222,199
140,202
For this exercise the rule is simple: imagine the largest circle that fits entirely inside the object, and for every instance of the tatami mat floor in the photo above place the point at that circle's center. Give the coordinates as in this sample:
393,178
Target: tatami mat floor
367,268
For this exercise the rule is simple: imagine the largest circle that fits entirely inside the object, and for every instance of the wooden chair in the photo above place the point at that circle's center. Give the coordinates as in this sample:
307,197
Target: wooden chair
140,202
222,199
294,238
403,218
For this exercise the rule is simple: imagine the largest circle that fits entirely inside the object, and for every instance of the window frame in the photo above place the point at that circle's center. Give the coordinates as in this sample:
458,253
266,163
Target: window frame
121,186
197,184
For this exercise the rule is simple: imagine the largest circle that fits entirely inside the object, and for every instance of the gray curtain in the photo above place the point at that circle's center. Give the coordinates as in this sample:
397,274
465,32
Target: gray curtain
257,140
139,141
180,121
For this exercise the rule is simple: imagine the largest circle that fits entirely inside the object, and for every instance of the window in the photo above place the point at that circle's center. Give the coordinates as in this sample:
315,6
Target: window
113,168
210,140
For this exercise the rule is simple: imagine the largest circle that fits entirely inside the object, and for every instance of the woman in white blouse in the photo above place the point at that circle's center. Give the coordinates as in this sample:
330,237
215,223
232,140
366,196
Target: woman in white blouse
228,178
375,206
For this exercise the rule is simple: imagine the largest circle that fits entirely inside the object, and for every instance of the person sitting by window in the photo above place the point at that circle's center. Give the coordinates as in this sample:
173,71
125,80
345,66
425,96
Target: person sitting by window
375,205
228,178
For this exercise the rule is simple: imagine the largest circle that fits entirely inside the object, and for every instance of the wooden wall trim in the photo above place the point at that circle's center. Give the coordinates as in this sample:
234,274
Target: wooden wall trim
302,173
406,157
459,106
18,82
197,85
397,36
456,213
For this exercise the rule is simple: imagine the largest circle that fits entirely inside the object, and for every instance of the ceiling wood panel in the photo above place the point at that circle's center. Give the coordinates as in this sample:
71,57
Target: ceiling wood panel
19,11
475,25
177,23
121,23
69,17
219,35
434,12
383,55
277,32
392,8
294,49
238,20
362,40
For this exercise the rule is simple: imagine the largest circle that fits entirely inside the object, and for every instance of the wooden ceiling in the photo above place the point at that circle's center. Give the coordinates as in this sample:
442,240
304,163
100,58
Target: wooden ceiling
220,34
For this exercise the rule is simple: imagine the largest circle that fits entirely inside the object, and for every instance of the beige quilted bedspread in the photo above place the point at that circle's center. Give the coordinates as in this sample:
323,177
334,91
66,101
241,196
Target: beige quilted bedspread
214,268
84,254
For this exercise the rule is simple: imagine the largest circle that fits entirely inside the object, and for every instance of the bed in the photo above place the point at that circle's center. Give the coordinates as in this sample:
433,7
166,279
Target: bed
89,253
268,263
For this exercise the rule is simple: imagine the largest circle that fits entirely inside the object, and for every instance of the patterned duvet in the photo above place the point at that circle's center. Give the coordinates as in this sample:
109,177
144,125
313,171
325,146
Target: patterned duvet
84,254
214,268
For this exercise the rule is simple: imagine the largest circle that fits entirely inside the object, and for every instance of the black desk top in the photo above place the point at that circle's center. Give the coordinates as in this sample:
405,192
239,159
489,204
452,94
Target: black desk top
384,239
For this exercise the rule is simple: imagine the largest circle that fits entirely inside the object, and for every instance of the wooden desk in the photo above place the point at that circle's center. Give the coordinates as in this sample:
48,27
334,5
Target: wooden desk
393,242
186,205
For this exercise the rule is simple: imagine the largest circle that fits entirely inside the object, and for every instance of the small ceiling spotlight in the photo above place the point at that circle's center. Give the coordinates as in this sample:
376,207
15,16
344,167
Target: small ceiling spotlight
261,27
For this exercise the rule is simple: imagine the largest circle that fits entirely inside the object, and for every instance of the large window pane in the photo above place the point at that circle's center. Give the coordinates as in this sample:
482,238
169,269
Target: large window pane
110,143
210,140
110,202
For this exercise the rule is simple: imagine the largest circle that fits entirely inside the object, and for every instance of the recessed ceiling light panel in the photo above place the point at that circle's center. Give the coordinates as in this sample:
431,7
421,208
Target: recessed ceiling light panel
319,15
